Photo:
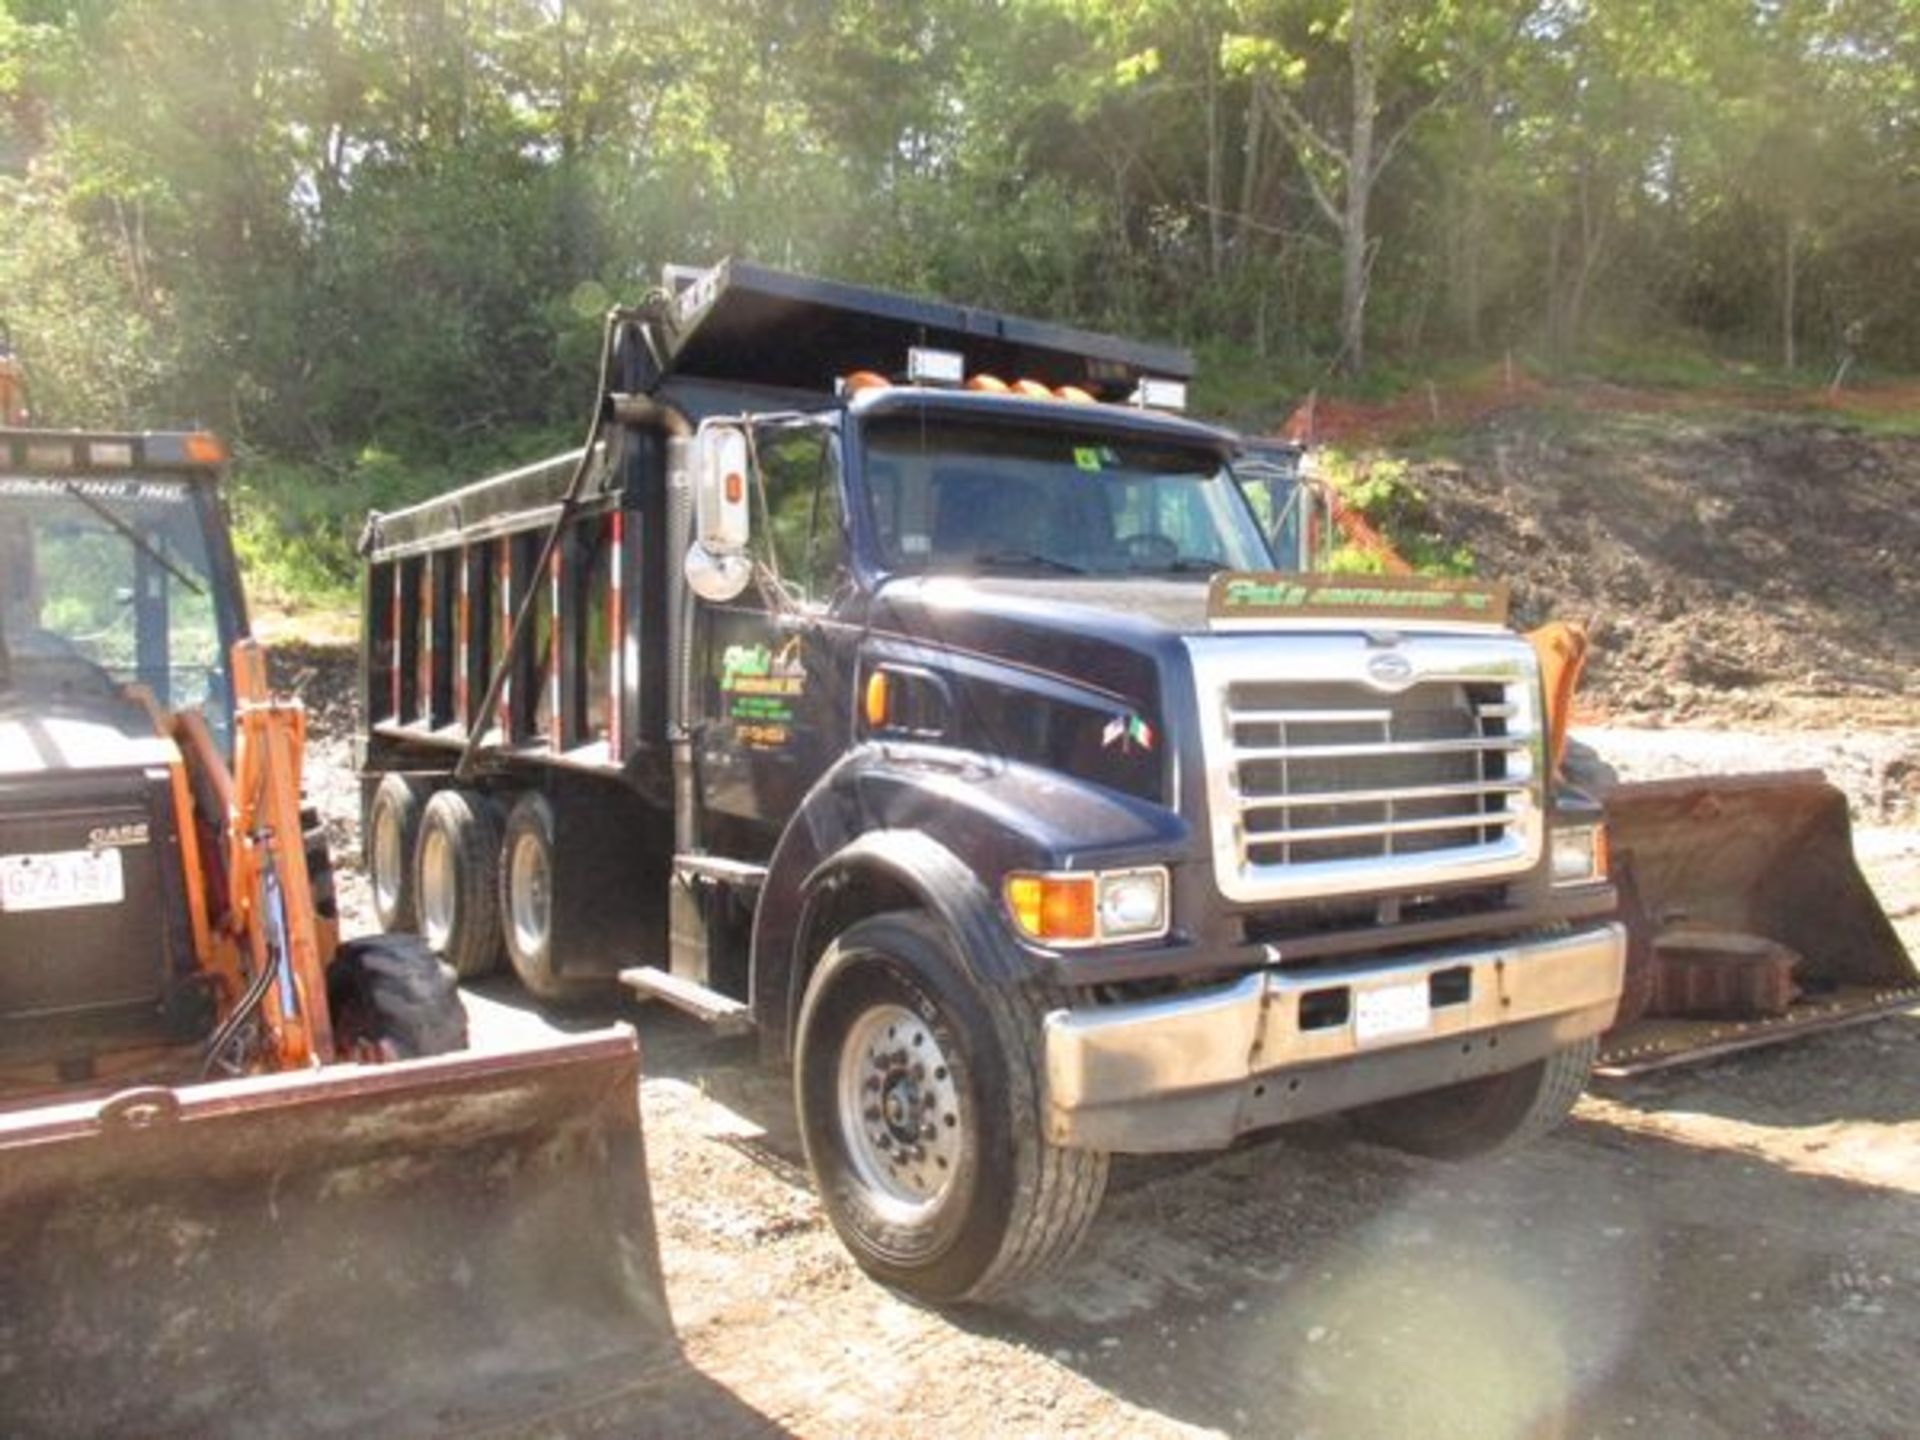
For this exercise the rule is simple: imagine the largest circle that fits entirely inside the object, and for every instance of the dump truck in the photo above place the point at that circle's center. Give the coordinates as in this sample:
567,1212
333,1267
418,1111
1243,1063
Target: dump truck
912,686
253,1178
1749,920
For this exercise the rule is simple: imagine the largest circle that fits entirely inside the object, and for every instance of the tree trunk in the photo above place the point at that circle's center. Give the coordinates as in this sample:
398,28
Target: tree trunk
1790,284
1216,243
1360,177
1250,174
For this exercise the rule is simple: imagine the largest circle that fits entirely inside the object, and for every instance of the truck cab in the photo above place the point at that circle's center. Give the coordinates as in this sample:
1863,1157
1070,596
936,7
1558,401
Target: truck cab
947,718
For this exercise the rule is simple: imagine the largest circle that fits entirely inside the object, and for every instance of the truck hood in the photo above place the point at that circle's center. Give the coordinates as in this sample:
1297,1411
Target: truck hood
1108,632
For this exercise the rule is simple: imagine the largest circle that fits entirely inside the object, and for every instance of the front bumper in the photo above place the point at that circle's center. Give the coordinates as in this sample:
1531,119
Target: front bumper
1194,1071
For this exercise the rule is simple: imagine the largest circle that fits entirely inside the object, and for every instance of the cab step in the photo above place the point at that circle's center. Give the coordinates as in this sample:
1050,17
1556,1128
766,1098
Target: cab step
724,1014
720,870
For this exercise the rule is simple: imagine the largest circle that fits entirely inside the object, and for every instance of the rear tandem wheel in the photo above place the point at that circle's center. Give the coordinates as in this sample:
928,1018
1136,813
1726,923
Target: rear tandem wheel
454,866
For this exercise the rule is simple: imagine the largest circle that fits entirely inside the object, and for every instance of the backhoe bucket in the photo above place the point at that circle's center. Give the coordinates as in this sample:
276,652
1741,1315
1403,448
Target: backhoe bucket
1748,916
423,1247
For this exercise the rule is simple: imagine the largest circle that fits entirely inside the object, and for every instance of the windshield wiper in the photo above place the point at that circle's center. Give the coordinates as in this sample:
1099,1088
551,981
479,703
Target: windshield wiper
1030,558
133,537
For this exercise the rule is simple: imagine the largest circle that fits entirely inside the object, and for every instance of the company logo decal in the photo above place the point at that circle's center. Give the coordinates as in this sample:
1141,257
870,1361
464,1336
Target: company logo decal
113,837
1390,669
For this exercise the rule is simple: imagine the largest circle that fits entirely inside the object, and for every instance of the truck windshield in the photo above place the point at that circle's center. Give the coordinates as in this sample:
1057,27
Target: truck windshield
962,495
105,583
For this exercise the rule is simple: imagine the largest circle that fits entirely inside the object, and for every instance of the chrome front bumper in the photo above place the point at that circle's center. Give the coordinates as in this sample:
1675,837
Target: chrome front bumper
1194,1071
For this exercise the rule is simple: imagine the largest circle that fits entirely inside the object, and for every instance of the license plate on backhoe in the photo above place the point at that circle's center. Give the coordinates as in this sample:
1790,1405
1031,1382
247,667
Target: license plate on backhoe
61,880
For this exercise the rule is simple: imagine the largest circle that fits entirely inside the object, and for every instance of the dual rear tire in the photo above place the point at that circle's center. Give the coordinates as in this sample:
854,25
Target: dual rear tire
454,862
473,877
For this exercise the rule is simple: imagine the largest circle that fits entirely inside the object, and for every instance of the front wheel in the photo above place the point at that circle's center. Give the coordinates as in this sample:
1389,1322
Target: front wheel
391,998
1482,1117
920,1105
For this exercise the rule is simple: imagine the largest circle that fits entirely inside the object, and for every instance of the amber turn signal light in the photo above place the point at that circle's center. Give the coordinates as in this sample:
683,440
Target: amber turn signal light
1053,907
204,449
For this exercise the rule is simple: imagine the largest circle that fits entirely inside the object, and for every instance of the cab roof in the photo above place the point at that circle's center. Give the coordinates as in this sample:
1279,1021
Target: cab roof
193,454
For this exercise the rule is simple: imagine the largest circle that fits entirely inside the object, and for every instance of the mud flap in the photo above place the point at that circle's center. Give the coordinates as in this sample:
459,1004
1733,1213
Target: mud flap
424,1247
1738,878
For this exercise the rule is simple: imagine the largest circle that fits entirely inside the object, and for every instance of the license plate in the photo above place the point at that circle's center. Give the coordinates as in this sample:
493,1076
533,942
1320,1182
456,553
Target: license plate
1390,1010
61,880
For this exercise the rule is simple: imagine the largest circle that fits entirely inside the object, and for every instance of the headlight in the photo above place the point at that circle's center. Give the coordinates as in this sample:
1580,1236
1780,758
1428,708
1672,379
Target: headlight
1086,908
1579,854
1133,903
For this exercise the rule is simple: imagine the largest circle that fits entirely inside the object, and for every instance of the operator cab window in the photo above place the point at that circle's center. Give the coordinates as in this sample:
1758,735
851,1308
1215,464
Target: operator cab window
106,584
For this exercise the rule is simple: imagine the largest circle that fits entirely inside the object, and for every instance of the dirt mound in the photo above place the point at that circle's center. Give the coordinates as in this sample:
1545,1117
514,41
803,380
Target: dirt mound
1749,568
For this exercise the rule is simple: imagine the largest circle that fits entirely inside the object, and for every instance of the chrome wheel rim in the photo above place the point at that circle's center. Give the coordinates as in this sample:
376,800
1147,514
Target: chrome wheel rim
530,896
900,1113
436,888
388,864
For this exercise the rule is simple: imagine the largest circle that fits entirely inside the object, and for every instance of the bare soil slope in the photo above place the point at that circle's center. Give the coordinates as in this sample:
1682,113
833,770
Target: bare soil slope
1750,568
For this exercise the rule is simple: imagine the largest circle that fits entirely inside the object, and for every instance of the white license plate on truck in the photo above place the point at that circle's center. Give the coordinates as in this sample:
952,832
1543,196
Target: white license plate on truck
61,880
1389,1010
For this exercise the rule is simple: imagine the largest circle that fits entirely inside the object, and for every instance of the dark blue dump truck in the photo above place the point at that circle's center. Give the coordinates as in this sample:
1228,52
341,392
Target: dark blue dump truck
913,686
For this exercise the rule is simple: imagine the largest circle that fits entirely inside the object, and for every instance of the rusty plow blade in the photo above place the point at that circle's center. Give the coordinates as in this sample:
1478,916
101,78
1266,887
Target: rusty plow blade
421,1247
1749,919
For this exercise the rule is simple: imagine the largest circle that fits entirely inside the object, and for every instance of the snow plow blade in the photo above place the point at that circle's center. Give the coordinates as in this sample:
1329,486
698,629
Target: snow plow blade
1748,917
431,1246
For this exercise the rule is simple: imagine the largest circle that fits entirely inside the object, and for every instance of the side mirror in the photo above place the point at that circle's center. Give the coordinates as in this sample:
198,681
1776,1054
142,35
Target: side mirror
717,566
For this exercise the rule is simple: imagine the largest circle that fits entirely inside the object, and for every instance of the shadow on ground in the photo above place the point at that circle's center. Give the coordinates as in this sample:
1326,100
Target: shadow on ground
1867,1072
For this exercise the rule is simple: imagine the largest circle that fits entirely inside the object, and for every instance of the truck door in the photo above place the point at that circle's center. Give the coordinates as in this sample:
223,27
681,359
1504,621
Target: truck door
773,677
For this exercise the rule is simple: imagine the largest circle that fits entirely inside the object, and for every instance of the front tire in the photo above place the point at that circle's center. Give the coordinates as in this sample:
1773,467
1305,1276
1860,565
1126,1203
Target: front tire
1485,1116
454,865
391,998
920,1106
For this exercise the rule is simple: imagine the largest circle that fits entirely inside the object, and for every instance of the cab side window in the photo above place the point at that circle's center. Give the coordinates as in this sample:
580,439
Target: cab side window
800,535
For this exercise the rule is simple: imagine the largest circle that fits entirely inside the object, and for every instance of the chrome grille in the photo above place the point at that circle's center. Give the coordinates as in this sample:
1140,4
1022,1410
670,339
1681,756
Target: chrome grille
1336,786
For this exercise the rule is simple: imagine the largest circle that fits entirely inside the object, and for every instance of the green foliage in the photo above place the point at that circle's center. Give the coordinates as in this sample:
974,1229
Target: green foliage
297,524
336,232
1383,490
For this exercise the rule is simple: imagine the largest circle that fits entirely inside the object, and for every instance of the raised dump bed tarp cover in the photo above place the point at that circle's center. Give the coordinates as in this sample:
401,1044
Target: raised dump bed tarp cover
751,325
